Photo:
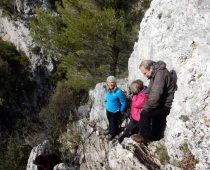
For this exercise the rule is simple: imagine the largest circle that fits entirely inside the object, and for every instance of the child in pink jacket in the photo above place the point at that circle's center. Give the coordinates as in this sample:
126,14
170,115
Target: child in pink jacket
140,97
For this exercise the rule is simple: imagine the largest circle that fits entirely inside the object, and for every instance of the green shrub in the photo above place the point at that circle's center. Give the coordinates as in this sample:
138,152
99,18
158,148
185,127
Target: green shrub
15,157
16,87
14,73
9,53
70,142
146,3
78,78
60,111
184,118
162,154
7,5
185,149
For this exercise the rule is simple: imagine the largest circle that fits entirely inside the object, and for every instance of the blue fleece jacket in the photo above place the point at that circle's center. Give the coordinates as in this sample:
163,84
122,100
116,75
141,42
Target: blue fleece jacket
115,101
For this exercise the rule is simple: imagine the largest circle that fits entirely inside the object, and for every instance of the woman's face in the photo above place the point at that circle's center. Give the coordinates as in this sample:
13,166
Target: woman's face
111,85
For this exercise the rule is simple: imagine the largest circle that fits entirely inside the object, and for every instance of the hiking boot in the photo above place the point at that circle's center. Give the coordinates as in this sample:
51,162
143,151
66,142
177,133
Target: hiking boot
120,140
139,139
109,137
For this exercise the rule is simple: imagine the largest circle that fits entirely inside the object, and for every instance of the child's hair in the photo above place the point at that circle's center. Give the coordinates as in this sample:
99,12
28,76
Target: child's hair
136,86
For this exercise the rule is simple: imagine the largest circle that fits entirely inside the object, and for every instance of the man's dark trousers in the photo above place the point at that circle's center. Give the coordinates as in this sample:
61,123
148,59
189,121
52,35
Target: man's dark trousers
152,124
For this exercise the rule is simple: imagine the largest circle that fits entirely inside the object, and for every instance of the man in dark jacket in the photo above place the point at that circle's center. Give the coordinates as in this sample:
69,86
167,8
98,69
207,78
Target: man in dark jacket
47,161
161,93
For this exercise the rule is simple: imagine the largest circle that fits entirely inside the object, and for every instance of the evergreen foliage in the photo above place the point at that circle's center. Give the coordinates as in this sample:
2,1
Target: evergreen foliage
15,86
95,34
15,157
89,40
77,76
7,6
16,89
60,111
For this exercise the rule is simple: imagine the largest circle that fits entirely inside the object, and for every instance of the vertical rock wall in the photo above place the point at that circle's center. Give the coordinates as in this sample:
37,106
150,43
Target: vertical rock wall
178,32
27,6
17,31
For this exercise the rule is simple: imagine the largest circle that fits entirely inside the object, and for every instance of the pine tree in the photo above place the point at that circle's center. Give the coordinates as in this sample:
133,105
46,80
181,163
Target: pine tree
98,36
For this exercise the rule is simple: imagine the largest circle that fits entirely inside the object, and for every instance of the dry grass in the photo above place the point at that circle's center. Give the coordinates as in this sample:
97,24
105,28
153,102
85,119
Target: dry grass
188,163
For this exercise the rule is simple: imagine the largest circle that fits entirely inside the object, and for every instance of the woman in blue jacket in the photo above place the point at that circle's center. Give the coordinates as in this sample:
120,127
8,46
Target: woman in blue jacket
115,105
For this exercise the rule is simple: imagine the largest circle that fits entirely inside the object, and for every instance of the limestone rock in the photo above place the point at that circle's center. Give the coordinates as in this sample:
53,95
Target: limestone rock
36,151
28,6
98,153
63,166
17,33
98,112
131,155
177,32
84,110
97,96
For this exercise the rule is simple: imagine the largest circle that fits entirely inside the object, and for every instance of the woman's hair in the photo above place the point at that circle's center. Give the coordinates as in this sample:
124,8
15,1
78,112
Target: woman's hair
136,86
111,78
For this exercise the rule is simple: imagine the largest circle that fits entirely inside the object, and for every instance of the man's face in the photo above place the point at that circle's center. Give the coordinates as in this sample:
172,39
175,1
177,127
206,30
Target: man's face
111,85
146,72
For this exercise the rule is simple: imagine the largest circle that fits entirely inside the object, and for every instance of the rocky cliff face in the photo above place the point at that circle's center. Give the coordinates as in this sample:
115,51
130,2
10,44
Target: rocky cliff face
177,32
14,28
17,31
97,96
27,6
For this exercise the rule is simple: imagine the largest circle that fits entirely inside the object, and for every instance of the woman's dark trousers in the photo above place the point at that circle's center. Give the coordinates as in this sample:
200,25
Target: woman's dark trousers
131,126
113,119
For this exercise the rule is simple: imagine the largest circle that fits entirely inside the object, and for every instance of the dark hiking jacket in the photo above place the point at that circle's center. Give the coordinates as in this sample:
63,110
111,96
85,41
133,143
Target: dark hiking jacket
161,88
47,161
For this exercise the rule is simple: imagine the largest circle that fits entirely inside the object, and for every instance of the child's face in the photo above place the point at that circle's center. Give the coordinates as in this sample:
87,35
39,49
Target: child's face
111,85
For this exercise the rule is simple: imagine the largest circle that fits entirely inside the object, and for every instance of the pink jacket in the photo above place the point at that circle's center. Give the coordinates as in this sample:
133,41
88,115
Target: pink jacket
138,101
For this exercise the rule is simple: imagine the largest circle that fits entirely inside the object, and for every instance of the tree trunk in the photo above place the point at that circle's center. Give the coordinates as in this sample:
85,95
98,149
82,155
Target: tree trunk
114,60
114,56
